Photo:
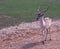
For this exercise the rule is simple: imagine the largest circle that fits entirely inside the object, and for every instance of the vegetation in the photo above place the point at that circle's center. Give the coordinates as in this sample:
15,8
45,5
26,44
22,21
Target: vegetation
25,10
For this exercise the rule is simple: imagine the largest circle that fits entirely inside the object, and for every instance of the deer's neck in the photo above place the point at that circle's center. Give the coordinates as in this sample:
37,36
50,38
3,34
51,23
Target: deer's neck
41,21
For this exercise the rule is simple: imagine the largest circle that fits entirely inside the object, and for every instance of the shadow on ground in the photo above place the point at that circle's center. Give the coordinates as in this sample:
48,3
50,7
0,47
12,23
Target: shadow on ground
30,45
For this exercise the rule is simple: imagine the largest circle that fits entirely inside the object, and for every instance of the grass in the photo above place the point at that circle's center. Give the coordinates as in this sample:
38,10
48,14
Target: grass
24,10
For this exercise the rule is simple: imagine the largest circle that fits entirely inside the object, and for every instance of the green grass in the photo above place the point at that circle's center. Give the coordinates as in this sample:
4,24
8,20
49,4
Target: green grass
24,10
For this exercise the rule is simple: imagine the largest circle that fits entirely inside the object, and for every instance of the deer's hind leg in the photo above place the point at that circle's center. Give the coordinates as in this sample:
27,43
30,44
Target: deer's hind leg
49,34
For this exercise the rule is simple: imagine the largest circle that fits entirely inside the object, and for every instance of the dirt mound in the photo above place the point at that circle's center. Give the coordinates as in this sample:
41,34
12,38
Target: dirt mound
28,36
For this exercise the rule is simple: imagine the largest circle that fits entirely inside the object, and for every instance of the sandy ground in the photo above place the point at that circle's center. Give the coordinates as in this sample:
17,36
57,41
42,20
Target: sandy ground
29,37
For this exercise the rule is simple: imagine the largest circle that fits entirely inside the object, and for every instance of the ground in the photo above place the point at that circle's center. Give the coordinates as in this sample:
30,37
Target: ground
27,35
32,39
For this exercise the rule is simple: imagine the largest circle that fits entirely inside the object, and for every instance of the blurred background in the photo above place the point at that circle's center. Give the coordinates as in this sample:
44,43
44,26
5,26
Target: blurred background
13,12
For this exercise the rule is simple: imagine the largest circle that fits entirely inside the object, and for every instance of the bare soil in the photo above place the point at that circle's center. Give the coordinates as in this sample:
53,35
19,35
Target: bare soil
29,37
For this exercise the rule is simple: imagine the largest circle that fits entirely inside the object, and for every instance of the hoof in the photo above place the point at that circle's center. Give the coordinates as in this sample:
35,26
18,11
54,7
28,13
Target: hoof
42,42
50,39
45,40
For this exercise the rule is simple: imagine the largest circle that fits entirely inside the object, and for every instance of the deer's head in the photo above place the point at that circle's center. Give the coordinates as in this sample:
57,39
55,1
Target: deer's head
40,14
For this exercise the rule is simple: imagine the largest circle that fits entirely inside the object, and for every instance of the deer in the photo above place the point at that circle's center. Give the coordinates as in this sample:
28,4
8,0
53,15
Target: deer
45,24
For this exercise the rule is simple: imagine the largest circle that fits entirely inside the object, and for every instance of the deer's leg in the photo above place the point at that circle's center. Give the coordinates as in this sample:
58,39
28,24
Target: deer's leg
44,35
49,34
50,37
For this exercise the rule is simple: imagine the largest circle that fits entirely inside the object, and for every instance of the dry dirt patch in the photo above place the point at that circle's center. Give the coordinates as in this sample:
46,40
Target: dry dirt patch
28,36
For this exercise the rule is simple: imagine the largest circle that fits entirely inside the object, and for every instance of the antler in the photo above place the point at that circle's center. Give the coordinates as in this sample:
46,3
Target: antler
40,14
45,10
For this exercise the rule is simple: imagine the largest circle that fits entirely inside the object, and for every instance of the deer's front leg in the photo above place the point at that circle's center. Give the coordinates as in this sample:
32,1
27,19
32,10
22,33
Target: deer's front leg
44,36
